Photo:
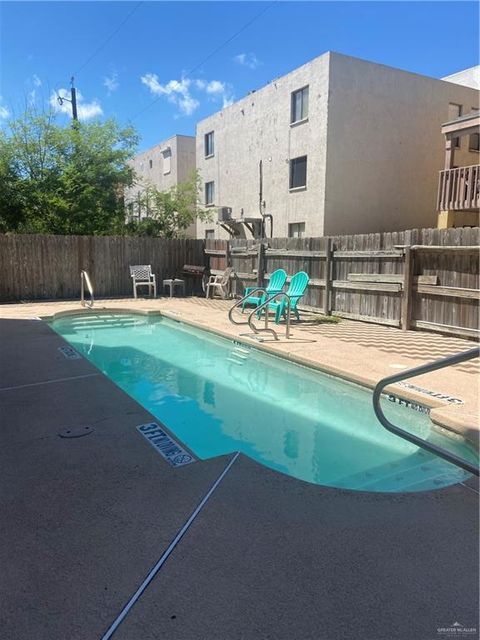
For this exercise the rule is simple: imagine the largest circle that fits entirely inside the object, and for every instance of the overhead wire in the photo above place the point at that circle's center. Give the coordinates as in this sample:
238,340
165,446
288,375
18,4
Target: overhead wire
109,38
212,53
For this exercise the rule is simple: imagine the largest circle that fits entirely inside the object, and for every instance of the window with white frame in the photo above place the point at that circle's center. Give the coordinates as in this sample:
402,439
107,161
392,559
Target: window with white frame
298,172
209,144
454,111
209,234
209,192
296,230
299,105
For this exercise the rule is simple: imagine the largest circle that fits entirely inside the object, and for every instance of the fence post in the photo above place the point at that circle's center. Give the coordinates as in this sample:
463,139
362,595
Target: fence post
328,277
229,263
406,311
228,255
260,264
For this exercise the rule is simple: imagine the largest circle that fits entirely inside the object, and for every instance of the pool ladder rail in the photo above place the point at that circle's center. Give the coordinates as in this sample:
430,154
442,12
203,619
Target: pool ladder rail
256,330
419,442
85,280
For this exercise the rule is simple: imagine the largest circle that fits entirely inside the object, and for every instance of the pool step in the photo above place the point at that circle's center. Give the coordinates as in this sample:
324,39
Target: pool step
102,322
423,472
238,355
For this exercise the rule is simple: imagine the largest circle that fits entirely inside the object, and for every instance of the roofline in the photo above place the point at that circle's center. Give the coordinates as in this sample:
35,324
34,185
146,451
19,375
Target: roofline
330,53
163,142
465,118
457,73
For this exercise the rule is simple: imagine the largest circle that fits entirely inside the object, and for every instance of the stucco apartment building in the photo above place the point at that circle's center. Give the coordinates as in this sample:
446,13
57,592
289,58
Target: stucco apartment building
345,146
163,166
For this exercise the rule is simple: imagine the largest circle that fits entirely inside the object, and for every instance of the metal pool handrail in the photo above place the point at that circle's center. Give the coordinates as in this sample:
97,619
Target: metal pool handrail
265,304
85,280
410,373
238,303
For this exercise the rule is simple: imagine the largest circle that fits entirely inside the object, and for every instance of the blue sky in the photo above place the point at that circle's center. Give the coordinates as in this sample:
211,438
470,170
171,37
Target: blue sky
153,53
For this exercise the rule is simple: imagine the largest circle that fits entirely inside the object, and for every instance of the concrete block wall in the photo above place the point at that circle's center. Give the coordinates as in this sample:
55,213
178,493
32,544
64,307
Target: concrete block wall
372,138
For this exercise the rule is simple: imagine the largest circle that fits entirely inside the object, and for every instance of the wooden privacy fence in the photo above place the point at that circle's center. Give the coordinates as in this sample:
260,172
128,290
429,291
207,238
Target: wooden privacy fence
34,267
422,278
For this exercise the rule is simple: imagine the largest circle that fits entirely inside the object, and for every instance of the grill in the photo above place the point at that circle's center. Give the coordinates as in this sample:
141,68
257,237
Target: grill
195,275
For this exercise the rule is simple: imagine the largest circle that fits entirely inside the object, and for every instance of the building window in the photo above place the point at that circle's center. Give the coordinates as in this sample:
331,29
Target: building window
210,234
299,109
474,140
474,143
454,111
209,192
167,160
209,145
296,230
298,172
150,162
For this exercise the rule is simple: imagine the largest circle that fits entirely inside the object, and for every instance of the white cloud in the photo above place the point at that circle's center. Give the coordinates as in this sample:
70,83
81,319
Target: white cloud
220,90
177,92
111,82
4,111
215,87
35,82
85,110
249,60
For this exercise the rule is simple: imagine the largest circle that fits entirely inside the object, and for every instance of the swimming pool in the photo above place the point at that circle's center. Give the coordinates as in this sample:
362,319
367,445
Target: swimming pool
217,396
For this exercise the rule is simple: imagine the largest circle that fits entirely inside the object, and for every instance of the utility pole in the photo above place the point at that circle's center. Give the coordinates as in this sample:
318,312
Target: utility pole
73,100
73,93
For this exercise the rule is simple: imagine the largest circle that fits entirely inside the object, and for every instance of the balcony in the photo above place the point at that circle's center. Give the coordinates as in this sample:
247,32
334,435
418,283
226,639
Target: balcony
458,197
459,189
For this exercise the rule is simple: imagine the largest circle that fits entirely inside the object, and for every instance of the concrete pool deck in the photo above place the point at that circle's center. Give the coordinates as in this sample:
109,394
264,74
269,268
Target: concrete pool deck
85,519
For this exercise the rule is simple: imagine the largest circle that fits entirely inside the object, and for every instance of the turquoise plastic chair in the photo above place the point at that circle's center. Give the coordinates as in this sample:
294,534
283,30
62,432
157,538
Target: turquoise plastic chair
275,285
298,286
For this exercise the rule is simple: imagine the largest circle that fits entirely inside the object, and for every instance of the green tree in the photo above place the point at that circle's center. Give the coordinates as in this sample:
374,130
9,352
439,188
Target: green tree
170,212
64,180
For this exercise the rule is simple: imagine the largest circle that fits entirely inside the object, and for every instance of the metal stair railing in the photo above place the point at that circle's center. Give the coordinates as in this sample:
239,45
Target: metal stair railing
249,320
239,302
410,373
256,330
85,280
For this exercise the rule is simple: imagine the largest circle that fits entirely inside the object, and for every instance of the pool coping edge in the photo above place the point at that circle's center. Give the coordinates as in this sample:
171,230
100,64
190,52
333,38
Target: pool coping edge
448,423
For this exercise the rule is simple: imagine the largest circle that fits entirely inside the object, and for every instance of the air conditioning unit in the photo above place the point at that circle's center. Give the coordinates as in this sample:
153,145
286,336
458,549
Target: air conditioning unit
224,214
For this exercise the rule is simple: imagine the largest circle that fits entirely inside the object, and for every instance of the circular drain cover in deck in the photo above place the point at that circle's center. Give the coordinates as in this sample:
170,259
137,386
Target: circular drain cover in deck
75,432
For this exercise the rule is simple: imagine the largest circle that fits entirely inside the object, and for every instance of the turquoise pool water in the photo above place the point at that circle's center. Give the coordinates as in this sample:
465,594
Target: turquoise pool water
218,397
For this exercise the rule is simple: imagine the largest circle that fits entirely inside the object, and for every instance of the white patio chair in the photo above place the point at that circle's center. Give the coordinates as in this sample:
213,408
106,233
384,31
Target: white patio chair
142,276
220,283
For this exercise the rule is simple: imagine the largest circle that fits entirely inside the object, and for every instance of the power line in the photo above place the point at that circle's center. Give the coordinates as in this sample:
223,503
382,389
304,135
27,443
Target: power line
224,44
212,53
107,40
97,50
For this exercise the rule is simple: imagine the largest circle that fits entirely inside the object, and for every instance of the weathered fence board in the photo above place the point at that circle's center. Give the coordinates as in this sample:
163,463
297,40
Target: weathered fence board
36,267
425,278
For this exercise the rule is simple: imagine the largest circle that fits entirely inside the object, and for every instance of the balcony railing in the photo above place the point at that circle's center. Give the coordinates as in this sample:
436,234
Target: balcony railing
459,189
